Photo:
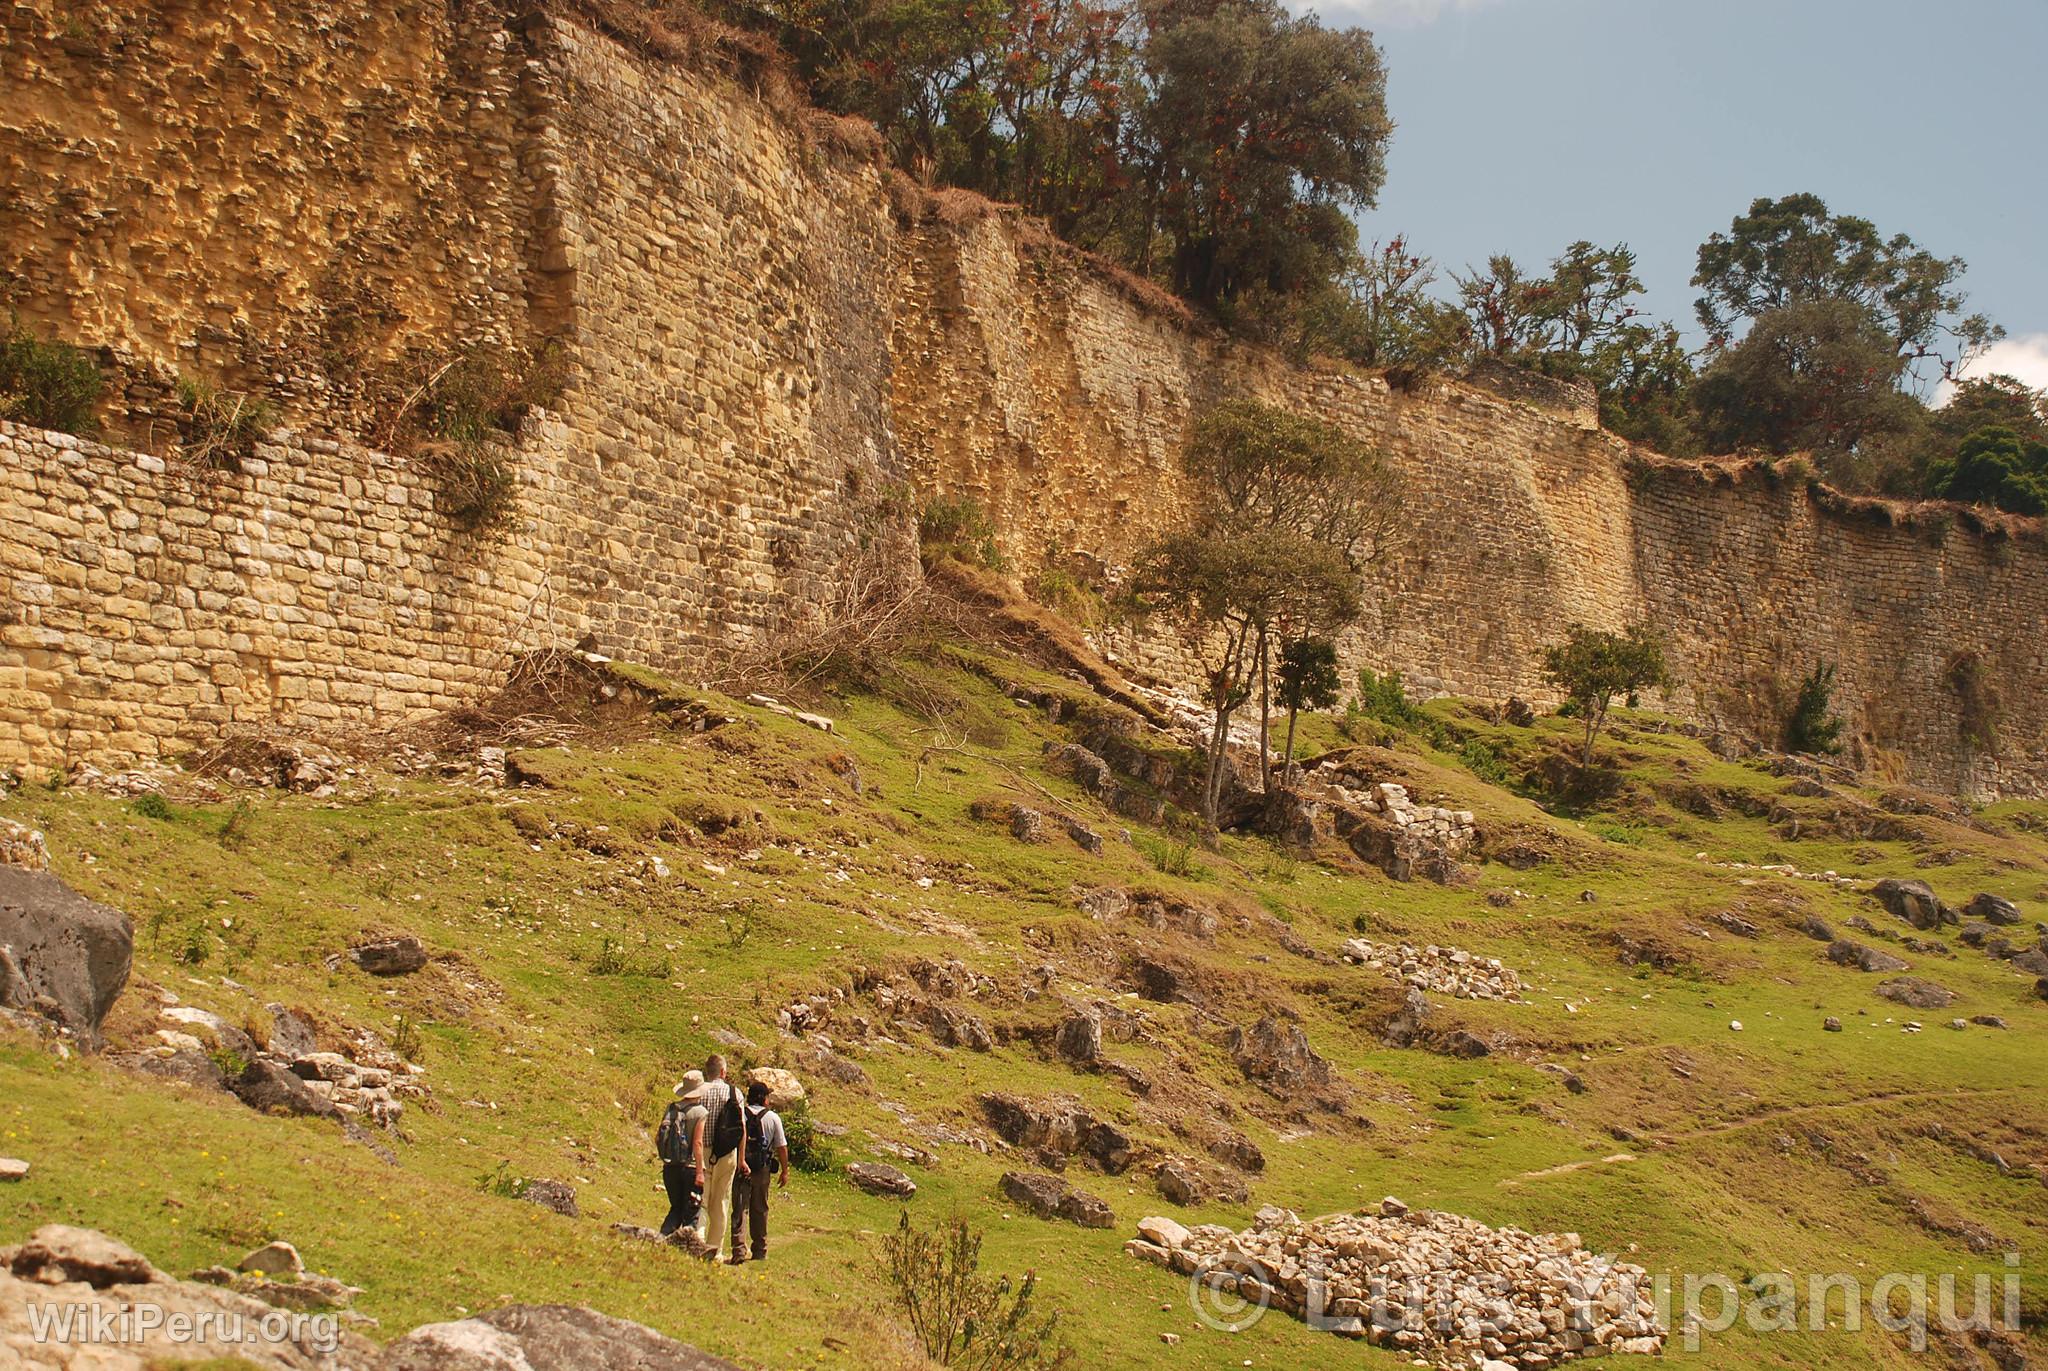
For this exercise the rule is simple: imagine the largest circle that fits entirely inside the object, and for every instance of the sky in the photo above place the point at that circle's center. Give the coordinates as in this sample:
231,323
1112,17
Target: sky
1523,125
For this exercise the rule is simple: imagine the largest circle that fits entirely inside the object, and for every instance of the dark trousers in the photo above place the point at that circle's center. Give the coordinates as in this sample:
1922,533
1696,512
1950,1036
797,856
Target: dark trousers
684,1198
750,1207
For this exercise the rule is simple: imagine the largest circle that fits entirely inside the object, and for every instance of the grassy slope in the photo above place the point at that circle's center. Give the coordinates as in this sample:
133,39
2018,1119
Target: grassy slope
539,1063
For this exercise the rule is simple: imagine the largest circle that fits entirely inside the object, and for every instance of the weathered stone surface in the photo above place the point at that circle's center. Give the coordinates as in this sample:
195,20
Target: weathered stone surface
67,957
1079,1038
784,1089
554,1337
1916,993
22,847
559,1196
878,1178
397,956
1913,901
274,1259
13,1169
268,1087
1050,1197
1277,1055
1993,909
57,1252
1845,952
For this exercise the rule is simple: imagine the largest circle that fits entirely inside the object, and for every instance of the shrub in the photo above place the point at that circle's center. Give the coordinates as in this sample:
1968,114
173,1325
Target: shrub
810,1151
152,806
458,420
962,1318
1482,761
959,527
1385,699
502,1182
221,427
1812,727
46,384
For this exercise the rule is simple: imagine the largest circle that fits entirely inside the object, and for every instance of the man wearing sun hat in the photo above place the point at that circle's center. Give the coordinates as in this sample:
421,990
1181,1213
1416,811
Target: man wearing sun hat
673,1140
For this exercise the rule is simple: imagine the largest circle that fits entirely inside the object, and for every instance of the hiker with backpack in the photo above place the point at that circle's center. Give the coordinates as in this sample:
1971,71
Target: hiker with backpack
717,1146
673,1143
767,1154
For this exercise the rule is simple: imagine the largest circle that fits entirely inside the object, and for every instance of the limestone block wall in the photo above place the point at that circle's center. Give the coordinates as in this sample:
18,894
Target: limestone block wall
767,371
321,203
1045,393
144,608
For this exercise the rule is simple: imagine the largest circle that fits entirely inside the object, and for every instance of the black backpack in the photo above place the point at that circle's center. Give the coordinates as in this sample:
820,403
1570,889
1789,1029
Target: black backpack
757,1144
672,1138
729,1129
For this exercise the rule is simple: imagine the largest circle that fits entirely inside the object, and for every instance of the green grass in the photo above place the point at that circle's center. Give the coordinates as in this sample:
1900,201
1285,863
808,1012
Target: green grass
570,988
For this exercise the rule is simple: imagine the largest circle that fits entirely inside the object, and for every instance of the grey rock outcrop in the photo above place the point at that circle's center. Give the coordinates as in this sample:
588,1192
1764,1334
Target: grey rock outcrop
66,958
1913,901
546,1337
1050,1197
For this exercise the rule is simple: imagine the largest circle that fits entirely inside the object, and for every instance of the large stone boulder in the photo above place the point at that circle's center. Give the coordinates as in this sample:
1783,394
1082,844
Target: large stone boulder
397,956
546,1337
66,957
1913,901
1993,909
100,1278
269,1087
1844,952
1049,1197
1277,1056
879,1178
1916,993
784,1089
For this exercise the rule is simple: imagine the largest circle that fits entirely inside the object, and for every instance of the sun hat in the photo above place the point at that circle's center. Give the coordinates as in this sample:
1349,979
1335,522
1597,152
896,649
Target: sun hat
691,1086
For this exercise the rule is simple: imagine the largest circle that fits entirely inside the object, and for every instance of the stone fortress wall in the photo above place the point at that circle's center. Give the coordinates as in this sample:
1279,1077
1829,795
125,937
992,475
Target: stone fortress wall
768,370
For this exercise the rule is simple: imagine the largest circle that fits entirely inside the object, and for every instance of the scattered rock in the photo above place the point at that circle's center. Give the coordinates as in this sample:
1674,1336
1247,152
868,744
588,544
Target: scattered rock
1916,993
13,1169
1993,909
268,1087
70,956
1831,1024
57,1253
1079,1038
274,1259
1914,902
1057,1128
877,1178
1026,825
1815,929
1164,1231
1843,952
1439,1288
1083,836
22,847
1444,970
396,956
559,1196
1050,1197
1184,1181
1106,902
784,1089
1277,1055
291,1035
1234,1149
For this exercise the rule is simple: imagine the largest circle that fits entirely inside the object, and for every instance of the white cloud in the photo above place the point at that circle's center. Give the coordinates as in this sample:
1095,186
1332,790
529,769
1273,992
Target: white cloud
2024,355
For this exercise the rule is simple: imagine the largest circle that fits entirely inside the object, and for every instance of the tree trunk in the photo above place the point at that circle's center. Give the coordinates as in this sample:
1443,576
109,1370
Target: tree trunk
1265,715
1288,759
1593,714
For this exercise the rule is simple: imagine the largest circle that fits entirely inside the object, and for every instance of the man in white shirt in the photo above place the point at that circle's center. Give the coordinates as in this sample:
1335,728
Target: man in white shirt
767,1153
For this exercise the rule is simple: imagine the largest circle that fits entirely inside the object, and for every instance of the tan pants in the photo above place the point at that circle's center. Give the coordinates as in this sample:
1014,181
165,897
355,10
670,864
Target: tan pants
717,1226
